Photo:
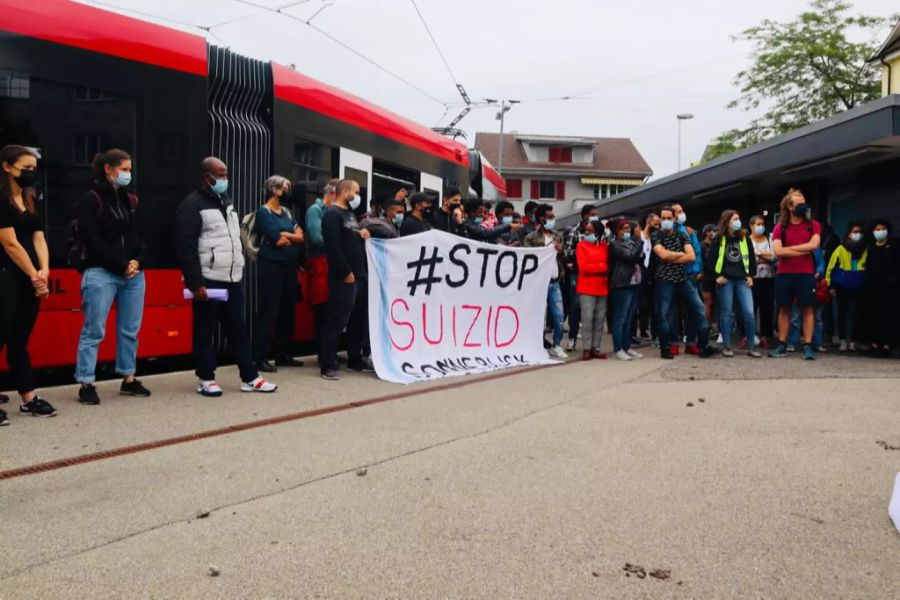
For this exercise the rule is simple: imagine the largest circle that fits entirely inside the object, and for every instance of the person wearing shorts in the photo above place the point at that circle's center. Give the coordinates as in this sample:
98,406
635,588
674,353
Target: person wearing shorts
795,239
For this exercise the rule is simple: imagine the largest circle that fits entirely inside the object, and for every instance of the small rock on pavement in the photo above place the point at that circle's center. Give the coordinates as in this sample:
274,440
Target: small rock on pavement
689,404
202,513
212,571
660,573
701,400
361,472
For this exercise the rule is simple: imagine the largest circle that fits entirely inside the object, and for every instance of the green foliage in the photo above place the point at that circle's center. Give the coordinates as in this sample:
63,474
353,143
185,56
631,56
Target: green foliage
803,71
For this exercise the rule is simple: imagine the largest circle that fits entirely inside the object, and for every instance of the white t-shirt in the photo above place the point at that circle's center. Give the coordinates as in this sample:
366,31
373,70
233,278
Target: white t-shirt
549,241
764,270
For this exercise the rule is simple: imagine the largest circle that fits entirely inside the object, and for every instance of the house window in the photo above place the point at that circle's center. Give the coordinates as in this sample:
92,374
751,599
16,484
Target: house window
14,85
513,188
548,189
560,154
596,192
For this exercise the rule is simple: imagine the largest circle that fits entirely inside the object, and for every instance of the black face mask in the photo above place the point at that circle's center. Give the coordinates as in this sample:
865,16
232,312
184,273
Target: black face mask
26,179
800,210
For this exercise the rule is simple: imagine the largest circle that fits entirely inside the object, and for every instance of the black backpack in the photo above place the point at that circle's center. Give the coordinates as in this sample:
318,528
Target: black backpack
77,256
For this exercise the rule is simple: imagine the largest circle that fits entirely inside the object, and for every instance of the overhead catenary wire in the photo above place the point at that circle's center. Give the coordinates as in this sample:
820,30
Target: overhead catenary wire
434,42
154,16
347,47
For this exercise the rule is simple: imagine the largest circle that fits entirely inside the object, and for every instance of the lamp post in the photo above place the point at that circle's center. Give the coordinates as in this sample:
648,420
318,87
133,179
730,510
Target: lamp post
681,117
505,107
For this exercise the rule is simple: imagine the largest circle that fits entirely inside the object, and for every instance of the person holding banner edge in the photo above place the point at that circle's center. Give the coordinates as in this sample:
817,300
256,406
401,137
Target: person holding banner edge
544,235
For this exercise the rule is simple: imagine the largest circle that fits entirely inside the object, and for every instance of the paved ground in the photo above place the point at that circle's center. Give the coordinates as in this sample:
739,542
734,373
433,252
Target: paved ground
542,484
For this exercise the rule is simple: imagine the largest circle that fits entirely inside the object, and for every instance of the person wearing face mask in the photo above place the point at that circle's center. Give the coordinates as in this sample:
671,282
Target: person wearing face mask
316,262
504,212
112,235
882,275
845,275
472,225
733,264
708,284
674,250
694,273
346,282
418,220
209,249
388,226
627,250
592,257
796,237
280,242
572,238
764,280
449,217
645,319
24,272
544,236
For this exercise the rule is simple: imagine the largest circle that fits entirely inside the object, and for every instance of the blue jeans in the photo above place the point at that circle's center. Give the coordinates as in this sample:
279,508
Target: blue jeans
624,305
99,288
574,308
736,288
665,293
555,304
797,327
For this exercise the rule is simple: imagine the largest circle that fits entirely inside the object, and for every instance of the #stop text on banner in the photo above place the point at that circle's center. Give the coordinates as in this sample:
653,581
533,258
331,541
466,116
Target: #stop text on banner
441,305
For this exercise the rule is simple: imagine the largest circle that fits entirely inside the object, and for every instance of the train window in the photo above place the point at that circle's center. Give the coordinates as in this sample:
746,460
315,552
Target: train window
85,146
311,170
90,94
14,85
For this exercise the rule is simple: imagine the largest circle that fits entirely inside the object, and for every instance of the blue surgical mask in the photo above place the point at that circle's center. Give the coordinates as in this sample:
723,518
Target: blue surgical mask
592,238
759,230
478,220
507,220
736,225
626,235
123,178
220,186
355,202
682,218
550,224
881,235
398,218
594,219
667,225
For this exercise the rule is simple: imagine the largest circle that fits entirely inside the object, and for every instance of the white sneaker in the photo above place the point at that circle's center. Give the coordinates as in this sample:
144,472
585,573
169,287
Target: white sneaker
622,355
570,346
258,385
843,346
209,388
557,352
634,354
852,346
728,353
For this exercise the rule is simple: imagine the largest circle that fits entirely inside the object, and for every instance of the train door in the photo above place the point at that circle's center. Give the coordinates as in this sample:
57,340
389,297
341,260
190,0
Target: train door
358,167
433,185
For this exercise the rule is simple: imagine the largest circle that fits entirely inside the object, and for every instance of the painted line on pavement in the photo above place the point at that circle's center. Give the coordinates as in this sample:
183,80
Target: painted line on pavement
63,463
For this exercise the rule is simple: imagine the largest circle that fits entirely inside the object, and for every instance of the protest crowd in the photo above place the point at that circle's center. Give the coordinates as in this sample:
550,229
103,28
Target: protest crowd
656,282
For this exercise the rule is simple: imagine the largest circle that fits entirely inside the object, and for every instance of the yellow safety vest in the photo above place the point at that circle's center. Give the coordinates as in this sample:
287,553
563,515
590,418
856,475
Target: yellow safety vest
745,255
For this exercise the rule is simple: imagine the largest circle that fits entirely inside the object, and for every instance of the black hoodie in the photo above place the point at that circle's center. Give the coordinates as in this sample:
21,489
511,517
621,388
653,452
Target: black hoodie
110,227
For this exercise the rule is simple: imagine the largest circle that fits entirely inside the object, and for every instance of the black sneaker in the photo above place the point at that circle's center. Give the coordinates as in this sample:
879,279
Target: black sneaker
87,394
4,398
3,419
665,354
330,375
363,366
266,366
134,388
38,407
288,361
708,352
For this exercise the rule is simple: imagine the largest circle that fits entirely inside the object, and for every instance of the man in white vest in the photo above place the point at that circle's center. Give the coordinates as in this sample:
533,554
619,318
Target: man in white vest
208,244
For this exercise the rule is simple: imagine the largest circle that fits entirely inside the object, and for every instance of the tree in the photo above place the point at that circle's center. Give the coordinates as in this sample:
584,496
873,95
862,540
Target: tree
803,71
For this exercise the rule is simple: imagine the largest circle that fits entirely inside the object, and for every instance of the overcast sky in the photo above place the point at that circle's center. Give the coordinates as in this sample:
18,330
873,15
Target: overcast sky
642,62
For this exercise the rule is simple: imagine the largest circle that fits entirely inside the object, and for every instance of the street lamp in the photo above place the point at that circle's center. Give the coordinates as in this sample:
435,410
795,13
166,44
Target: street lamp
681,117
505,106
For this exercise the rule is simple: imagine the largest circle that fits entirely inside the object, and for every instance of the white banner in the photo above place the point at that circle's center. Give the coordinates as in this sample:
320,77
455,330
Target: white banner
442,305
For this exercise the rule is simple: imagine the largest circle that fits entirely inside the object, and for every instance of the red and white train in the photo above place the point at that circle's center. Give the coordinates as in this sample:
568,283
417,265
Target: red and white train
75,80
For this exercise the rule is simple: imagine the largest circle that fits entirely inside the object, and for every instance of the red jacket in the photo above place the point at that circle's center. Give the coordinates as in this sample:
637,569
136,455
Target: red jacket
593,269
